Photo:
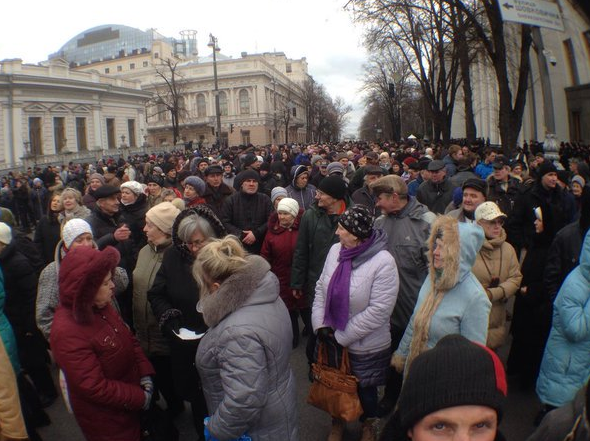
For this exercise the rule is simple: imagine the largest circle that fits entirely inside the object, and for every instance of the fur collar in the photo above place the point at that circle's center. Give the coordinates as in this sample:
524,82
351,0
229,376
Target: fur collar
451,253
234,292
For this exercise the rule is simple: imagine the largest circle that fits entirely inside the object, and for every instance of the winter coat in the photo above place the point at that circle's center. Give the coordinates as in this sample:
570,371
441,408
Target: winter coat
13,424
465,308
103,228
317,233
305,197
6,332
497,259
244,358
278,249
506,200
216,197
242,212
48,290
459,178
111,179
89,200
436,196
39,201
483,170
374,284
80,212
450,166
133,216
103,364
407,236
363,196
47,236
146,326
566,364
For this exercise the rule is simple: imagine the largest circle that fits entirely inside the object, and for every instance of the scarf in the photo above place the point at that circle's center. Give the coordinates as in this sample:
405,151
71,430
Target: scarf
338,298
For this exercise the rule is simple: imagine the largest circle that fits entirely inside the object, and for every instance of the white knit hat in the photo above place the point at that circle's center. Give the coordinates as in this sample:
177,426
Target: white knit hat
5,233
288,205
72,229
134,186
163,216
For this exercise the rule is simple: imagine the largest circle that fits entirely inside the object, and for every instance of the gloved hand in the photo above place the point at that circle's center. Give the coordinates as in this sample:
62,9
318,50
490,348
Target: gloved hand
325,334
148,400
147,384
171,326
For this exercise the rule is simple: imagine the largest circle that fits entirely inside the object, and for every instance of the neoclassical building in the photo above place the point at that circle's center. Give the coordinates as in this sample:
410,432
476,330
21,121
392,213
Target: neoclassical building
52,114
260,95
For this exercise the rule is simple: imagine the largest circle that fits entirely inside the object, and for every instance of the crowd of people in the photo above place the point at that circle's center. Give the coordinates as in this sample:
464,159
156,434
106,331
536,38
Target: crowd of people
189,277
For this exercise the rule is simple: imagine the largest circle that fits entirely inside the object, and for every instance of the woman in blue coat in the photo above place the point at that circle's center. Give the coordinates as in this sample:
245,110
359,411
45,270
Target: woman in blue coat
566,361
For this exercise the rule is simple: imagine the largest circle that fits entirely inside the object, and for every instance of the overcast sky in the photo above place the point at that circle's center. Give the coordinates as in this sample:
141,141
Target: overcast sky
317,29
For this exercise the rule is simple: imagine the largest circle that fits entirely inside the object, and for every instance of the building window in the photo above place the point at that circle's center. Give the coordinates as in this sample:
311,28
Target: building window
576,134
145,64
161,112
131,66
156,55
288,68
201,106
111,139
107,70
119,68
81,134
570,58
222,103
244,102
35,135
131,130
294,110
245,137
59,133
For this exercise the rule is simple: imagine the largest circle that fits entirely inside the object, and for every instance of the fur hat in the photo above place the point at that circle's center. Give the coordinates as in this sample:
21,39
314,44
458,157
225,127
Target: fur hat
73,229
163,216
333,186
456,372
358,221
197,183
289,205
5,233
276,192
81,274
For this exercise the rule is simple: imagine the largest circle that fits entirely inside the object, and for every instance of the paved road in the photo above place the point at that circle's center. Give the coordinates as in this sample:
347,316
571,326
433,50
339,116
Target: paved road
314,424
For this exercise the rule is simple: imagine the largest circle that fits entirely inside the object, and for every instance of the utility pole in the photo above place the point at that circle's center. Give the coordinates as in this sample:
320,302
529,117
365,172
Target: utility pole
213,44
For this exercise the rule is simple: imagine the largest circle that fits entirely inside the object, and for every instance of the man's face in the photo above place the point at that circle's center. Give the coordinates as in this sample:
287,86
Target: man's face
549,180
371,178
171,174
413,174
472,199
438,176
109,205
501,174
491,157
323,168
387,203
324,200
227,168
202,166
250,186
214,179
457,156
344,162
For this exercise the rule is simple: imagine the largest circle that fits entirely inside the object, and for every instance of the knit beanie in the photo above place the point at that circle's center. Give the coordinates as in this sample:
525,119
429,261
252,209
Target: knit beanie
246,174
358,221
73,229
333,186
335,167
546,167
163,216
156,179
197,183
167,167
134,186
579,180
5,233
296,171
97,176
289,205
276,192
456,372
249,159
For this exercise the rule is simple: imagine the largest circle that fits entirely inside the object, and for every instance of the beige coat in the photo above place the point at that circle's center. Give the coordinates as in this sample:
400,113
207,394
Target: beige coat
13,425
497,258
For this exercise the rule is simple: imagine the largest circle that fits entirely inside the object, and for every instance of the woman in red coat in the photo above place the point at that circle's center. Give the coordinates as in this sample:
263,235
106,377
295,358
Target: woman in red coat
108,375
278,248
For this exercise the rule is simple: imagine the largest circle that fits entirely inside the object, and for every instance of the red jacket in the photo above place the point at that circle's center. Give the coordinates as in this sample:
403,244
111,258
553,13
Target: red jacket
278,248
103,364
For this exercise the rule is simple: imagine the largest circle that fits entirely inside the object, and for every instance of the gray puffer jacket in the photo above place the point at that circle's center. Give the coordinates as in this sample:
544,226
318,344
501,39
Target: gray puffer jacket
243,359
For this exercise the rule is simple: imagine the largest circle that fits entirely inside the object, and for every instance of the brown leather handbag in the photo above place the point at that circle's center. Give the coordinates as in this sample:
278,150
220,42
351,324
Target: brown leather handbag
335,390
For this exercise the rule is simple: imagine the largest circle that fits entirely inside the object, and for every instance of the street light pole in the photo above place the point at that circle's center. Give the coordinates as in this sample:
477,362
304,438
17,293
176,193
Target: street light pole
213,44
274,86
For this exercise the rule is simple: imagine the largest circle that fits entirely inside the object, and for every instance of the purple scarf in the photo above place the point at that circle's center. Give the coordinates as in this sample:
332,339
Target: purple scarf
338,298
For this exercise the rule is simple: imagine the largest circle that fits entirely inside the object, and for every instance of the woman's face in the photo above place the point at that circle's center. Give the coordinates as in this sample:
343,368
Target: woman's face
169,198
154,189
395,168
83,240
347,239
576,189
189,192
285,219
127,196
105,292
517,171
362,161
492,228
153,233
56,203
198,241
437,254
301,180
277,200
465,423
69,202
95,183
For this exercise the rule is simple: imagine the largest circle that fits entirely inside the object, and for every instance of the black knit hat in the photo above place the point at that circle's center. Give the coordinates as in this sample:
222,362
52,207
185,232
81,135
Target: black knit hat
546,167
246,174
156,179
249,159
333,186
456,372
358,220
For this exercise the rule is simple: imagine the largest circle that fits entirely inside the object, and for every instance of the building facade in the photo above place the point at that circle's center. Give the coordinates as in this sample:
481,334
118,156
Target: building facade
52,114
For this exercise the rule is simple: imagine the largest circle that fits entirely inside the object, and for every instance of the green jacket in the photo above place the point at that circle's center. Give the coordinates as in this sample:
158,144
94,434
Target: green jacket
317,234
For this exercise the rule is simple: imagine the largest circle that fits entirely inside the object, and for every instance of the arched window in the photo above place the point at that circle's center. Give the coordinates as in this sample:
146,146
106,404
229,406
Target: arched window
201,106
244,102
222,103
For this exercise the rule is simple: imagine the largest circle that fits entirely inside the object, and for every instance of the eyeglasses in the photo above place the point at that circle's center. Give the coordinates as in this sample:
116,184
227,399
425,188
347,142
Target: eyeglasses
196,243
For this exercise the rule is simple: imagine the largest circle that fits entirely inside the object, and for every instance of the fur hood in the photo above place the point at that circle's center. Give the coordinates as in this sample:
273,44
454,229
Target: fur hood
462,243
249,285
204,212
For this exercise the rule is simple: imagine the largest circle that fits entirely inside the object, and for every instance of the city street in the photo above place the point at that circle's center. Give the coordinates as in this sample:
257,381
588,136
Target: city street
314,425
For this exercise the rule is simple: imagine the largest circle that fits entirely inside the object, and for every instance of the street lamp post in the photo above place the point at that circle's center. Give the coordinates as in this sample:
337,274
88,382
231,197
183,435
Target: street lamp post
213,44
274,88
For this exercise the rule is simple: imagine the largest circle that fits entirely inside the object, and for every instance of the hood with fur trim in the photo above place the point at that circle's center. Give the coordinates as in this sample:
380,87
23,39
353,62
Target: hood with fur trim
462,243
252,284
81,274
203,211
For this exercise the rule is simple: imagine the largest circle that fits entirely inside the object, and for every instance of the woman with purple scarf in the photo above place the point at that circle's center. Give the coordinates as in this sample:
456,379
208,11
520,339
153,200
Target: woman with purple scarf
354,299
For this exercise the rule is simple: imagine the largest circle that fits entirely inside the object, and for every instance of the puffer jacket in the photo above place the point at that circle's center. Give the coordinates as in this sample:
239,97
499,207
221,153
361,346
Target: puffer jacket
465,307
566,365
374,284
6,332
305,196
497,258
243,359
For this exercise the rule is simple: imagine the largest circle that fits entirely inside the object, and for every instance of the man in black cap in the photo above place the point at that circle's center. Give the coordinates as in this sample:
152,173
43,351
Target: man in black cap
418,174
364,195
245,213
474,194
437,192
216,192
170,177
357,180
504,191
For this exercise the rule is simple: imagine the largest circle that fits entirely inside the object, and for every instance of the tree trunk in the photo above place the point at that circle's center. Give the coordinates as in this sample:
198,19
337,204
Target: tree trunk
470,127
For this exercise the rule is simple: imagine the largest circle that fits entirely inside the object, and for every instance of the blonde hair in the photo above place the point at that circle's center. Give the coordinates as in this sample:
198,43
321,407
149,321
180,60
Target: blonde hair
69,191
218,260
